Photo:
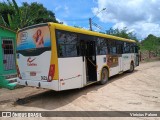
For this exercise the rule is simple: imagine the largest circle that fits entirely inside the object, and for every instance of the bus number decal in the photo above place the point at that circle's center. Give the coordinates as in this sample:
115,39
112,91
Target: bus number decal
43,77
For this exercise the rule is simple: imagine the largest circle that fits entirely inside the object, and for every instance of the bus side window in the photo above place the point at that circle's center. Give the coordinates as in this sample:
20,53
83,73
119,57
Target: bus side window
131,48
119,45
112,47
68,44
126,47
114,50
136,49
101,46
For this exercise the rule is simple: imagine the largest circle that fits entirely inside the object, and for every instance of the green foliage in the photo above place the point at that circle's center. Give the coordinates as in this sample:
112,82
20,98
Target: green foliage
17,17
151,43
122,33
5,9
37,13
102,32
78,27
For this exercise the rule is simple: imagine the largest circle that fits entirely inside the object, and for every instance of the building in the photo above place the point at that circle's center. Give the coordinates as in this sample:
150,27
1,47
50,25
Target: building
7,58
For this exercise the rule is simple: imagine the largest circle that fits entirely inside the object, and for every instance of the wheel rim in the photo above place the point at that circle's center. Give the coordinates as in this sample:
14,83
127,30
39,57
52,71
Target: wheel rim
104,75
131,68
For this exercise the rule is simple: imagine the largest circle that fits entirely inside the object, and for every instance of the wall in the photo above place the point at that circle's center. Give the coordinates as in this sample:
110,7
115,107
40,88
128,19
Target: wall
11,34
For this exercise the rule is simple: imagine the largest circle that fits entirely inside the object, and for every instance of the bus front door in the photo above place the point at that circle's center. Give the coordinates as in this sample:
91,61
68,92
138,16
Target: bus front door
89,58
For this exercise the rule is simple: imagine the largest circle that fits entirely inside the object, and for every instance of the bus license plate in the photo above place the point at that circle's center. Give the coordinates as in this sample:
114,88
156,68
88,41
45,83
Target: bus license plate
32,73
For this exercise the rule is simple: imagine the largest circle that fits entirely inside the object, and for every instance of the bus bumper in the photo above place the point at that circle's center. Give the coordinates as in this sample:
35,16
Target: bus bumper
40,84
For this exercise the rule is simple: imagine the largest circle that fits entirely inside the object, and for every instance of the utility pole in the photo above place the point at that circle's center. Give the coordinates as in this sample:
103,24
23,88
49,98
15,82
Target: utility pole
90,19
90,24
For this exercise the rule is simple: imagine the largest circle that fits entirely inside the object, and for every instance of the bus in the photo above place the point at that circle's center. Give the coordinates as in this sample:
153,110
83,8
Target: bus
60,57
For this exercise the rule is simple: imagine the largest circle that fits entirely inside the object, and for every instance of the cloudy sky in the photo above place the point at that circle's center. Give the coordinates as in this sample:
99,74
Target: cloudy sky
139,16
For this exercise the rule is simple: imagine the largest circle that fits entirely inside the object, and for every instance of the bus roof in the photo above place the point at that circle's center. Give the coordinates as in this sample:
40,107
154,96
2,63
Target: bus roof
32,26
78,30
87,32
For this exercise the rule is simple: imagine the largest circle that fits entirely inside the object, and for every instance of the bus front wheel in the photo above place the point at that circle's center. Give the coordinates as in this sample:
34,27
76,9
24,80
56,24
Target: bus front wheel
104,76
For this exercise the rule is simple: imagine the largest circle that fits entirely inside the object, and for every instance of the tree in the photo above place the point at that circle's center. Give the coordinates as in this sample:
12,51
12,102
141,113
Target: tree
5,9
40,14
78,27
17,17
151,43
122,33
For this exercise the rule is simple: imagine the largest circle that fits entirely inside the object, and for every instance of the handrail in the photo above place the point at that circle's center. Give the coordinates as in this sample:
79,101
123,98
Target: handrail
92,62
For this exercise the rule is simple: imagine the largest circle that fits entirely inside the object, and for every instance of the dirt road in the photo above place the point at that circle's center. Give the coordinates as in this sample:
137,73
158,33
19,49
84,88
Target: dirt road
135,91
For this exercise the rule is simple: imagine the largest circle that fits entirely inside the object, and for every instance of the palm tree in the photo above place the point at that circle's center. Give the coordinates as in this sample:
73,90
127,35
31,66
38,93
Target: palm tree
18,17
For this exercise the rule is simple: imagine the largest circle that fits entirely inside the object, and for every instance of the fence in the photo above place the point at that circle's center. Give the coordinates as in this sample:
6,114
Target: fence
148,55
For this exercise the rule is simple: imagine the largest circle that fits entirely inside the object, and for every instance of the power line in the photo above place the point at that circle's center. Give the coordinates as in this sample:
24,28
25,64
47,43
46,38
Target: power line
90,20
98,26
98,13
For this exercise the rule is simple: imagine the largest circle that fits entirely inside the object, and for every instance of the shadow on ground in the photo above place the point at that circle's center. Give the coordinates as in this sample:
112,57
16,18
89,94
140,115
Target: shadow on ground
51,100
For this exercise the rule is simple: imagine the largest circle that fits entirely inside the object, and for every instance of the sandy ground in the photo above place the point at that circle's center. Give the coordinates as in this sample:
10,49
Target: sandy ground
137,91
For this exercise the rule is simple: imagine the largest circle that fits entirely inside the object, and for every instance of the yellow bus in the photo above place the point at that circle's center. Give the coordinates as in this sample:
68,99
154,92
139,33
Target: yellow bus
59,57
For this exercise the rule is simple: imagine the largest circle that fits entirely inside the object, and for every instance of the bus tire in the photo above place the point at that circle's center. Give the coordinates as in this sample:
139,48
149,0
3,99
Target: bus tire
131,67
104,76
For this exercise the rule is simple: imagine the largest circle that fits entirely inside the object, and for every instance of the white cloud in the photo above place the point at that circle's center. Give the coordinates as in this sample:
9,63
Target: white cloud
64,22
66,9
141,16
58,8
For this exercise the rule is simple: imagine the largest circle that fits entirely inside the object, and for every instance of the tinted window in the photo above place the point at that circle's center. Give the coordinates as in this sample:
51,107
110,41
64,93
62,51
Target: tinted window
86,37
101,46
126,47
112,47
132,48
119,45
68,45
136,49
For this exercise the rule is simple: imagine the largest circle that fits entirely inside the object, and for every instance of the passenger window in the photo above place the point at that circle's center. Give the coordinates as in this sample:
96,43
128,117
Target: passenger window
101,46
68,44
119,45
112,47
126,48
132,48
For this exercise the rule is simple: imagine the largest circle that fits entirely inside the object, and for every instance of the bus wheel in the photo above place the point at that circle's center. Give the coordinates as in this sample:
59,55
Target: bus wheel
131,67
104,76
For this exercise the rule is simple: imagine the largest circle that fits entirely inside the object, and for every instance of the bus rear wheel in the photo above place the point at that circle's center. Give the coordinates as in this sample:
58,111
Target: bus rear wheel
104,76
131,67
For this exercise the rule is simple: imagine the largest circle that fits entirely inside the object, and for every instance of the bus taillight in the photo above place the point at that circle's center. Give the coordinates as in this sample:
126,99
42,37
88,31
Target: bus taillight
18,72
51,73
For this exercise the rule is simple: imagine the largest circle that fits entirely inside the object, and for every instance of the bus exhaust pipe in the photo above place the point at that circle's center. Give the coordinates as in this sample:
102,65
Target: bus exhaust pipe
39,85
26,83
